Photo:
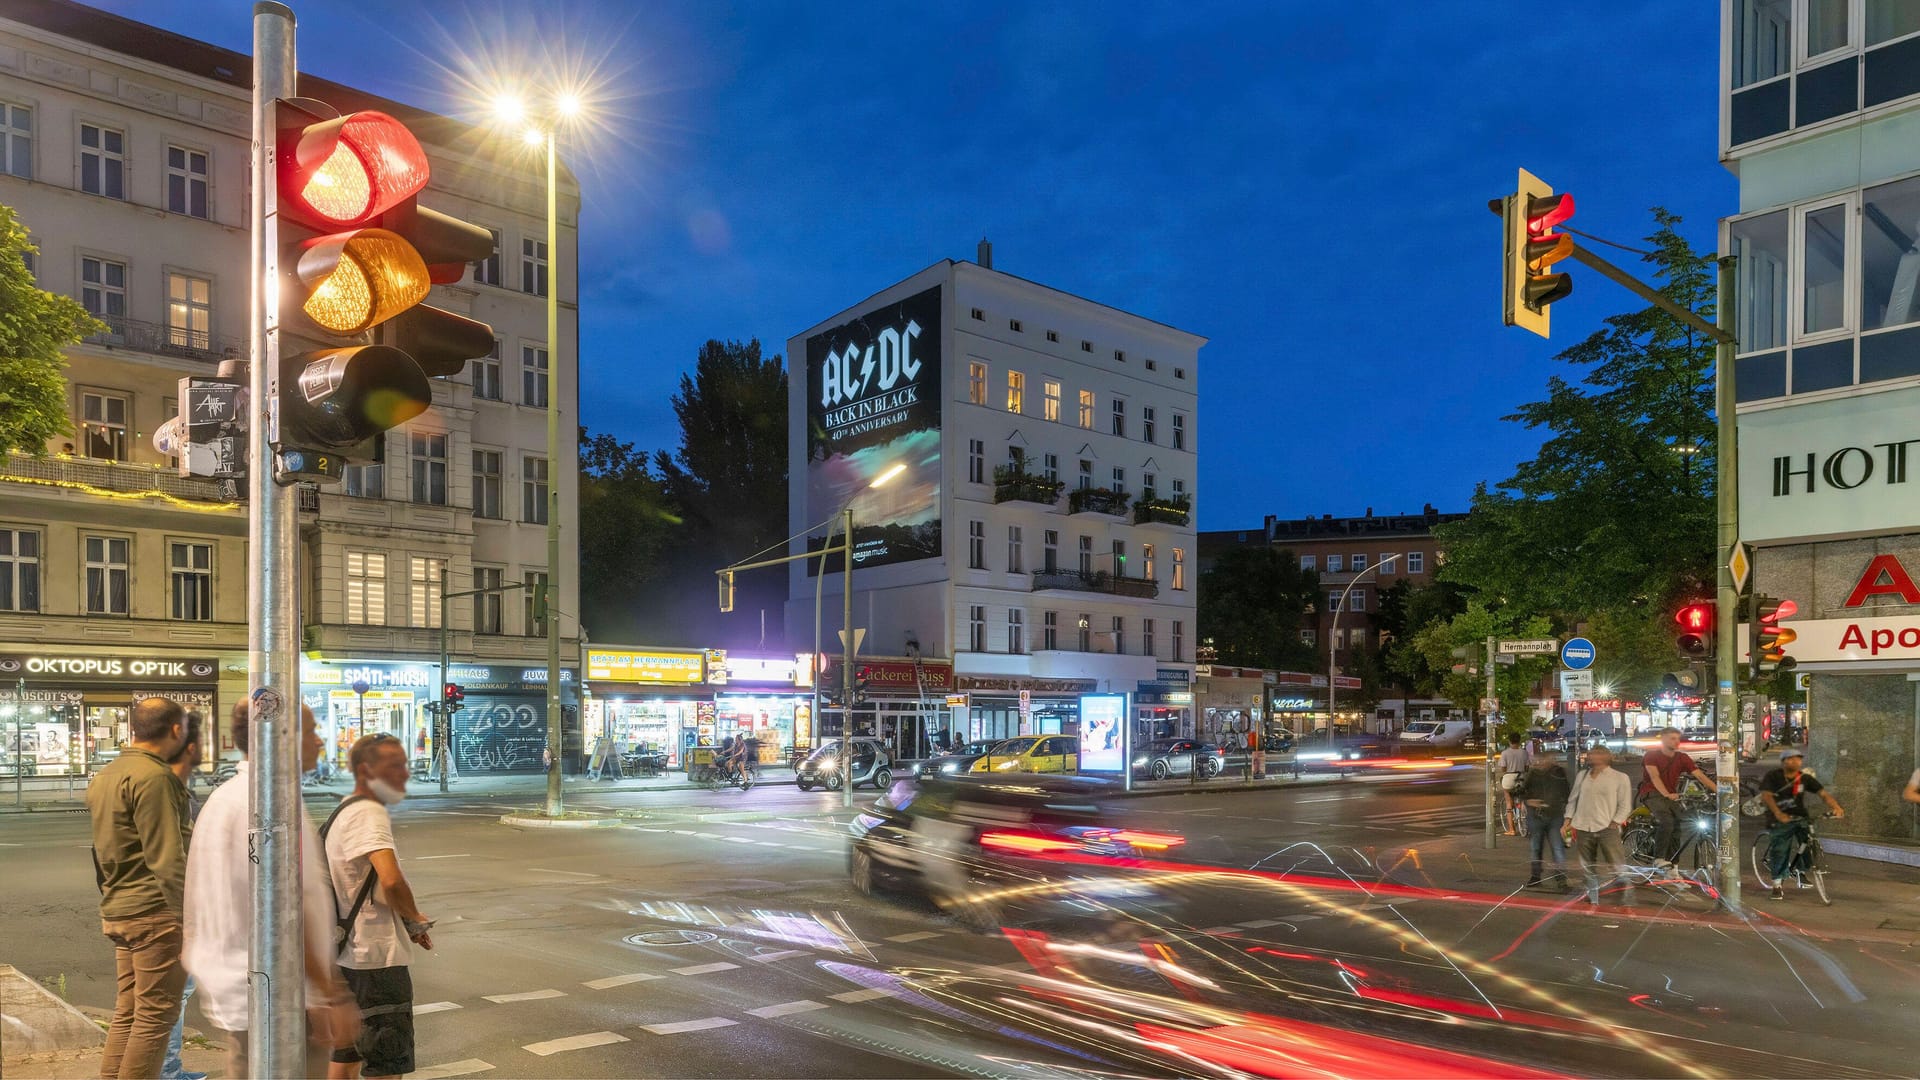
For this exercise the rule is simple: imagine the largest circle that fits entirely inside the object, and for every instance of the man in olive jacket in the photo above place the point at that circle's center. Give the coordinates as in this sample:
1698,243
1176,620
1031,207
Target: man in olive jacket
140,831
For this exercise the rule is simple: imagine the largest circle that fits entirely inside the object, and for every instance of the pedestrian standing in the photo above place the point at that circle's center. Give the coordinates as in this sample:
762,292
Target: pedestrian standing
186,761
378,912
1597,810
220,912
1543,791
140,833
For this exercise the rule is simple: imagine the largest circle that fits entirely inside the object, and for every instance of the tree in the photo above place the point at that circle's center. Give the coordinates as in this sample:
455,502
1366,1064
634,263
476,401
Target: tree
1469,631
1404,609
628,531
1251,605
730,472
36,327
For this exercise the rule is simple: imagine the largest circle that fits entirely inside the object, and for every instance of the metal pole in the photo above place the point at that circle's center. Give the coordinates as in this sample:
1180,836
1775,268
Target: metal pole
276,1013
1726,613
846,664
555,739
819,582
442,719
1493,698
1333,662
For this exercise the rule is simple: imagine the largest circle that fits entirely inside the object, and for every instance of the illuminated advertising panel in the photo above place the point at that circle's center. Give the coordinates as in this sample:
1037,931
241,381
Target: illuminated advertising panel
1103,725
873,411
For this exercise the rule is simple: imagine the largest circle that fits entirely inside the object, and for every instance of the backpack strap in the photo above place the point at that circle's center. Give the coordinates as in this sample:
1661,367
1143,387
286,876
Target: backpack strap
343,931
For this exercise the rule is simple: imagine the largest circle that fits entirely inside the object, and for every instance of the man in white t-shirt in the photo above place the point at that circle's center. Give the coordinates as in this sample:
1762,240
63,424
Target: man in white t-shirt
366,872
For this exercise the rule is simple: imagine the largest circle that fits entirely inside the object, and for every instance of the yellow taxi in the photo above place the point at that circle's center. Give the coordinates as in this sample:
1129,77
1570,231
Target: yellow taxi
1032,753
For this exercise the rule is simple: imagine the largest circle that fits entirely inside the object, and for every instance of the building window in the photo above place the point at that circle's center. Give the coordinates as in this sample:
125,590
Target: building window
1051,466
186,181
103,161
1017,458
103,292
1179,487
103,426
1086,474
1120,635
1179,373
1336,564
1889,19
976,461
1146,560
1309,637
1179,569
1357,600
977,628
1016,391
1333,600
533,490
1359,562
1887,295
1151,366
1050,400
487,270
365,481
423,590
486,604
1120,558
1086,556
977,383
534,368
1086,632
1120,480
1013,325
1119,417
1179,432
536,603
19,570
429,462
1762,256
16,141
1016,561
1823,271
1179,639
189,312
366,588
191,568
1308,562
488,467
1050,551
979,316
107,574
1016,630
1120,355
1053,336
1086,409
1146,423
977,545
1146,637
486,374
1050,630
533,266
1416,562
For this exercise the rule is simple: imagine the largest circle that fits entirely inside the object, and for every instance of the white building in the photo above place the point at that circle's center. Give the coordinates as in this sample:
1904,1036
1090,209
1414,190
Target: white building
125,149
1820,120
1034,525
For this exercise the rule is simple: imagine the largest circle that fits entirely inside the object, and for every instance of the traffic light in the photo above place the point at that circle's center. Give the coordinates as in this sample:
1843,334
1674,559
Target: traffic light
860,679
726,591
456,697
1767,640
1528,283
1694,636
1684,681
1463,660
357,255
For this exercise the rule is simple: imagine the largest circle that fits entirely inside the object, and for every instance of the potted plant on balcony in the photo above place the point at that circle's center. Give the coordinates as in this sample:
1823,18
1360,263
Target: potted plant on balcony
1097,501
1151,509
1013,483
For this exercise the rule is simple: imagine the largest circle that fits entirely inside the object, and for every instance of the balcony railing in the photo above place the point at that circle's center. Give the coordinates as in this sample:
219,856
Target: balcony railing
1097,501
163,340
1151,510
1018,485
1097,581
116,477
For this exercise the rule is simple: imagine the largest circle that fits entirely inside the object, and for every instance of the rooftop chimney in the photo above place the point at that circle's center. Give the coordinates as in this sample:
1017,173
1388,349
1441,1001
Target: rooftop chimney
985,256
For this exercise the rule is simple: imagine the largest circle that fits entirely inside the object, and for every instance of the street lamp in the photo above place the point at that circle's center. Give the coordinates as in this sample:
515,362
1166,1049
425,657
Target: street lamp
1333,632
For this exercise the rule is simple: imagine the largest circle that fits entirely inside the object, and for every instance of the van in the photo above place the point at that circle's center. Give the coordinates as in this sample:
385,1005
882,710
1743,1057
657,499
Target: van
1436,732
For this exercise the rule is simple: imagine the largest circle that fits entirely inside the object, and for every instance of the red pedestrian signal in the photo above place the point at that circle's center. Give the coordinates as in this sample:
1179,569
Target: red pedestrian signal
1695,637
1528,281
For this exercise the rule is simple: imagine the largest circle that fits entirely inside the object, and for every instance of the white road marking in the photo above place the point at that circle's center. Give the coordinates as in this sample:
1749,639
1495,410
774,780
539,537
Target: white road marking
452,1068
917,935
737,839
1260,924
781,955
705,969
612,981
708,836
424,858
643,828
689,1025
684,832
1219,929
574,1042
531,995
787,1008
569,873
434,1007
863,995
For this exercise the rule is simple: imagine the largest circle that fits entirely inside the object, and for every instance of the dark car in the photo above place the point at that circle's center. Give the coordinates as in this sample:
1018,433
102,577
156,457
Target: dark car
999,848
1163,758
959,761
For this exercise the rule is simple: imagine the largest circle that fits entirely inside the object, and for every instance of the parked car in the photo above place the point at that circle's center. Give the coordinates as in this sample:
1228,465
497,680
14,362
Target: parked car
1165,758
961,760
867,762
1031,753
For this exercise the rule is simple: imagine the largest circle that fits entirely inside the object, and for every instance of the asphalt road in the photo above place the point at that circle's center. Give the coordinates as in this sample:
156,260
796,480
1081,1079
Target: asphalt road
690,942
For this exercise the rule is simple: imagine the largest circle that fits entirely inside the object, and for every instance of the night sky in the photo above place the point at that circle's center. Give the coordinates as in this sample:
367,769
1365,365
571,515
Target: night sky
1303,183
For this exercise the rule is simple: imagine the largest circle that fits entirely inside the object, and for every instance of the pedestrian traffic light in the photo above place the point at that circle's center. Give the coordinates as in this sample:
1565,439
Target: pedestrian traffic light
456,697
860,679
1684,681
356,257
1767,640
1531,248
1695,636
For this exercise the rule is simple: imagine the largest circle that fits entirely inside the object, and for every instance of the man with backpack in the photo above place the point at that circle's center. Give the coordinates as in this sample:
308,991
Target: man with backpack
378,916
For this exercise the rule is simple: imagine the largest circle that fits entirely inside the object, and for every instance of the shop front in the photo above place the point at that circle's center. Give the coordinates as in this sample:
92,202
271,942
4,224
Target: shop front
1230,701
1163,706
903,702
652,701
65,713
501,728
1000,708
759,697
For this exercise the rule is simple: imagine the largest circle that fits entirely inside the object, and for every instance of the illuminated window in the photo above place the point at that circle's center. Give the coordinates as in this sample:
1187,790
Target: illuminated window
189,312
1016,391
103,426
423,590
1179,569
1086,409
977,383
1050,400
366,588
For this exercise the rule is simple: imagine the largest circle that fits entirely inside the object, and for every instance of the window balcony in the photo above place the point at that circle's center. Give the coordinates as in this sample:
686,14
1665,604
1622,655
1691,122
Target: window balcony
160,339
1152,510
110,478
1017,485
1103,501
1097,581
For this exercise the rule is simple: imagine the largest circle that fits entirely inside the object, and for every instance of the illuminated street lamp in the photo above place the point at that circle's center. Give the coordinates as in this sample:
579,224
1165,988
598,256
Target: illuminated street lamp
1333,630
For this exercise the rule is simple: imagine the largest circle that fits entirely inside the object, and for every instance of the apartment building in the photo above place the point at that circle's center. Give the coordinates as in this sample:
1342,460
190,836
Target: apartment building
1036,455
125,149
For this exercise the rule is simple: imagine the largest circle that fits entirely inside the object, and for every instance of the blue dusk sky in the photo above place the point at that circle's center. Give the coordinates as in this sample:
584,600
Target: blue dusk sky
1303,183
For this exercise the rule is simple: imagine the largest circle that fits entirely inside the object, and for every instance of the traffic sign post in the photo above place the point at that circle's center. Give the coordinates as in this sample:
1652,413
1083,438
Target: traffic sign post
1529,647
1578,654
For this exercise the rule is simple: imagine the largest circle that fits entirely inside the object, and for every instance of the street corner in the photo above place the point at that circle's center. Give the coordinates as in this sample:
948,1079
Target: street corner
575,820
35,1021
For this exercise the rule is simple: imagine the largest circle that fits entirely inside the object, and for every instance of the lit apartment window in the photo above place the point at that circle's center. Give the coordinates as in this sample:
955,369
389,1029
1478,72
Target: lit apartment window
977,627
423,590
487,270
1416,562
976,461
1146,560
189,312
103,161
103,426
977,383
977,545
366,588
1179,569
1050,551
19,570
186,181
534,604
1016,630
103,292
107,573
533,490
1119,417
486,605
1179,432
1050,400
533,376
1146,638
1086,409
1050,630
429,461
488,469
1016,391
533,266
1120,634
191,567
1086,632
1146,423
1120,558
16,141
1016,561
1336,564
486,374
1179,639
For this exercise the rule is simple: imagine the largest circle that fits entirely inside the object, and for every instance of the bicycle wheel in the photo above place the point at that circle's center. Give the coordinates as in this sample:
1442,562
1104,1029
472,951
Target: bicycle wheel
1817,870
1759,859
1639,844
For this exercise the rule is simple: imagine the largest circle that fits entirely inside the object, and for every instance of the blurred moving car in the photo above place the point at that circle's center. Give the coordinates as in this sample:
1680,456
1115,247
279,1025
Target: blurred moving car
1031,753
868,763
1436,733
961,760
1165,758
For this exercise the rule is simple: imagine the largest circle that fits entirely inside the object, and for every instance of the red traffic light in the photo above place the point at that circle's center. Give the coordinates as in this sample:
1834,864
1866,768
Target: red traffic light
1546,211
1782,609
1695,639
1695,617
346,171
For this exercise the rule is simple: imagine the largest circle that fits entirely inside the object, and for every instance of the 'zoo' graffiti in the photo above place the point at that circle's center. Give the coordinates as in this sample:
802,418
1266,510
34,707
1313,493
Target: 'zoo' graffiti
504,717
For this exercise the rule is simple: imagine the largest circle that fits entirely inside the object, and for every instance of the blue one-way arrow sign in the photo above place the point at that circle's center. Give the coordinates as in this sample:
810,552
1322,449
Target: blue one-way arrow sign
1577,654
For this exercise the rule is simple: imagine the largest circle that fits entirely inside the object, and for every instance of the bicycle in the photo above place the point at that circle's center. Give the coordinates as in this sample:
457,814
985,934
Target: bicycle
1696,817
1806,863
713,779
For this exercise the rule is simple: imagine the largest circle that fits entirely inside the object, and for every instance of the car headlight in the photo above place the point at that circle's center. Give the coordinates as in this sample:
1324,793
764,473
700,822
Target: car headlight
951,766
1139,761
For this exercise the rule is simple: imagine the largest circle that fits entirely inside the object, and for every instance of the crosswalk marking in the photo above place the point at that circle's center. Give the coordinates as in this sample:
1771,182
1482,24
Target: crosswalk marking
868,994
434,1007
452,1068
918,935
705,969
531,995
575,1042
786,1008
690,1025
612,981
780,955
1260,924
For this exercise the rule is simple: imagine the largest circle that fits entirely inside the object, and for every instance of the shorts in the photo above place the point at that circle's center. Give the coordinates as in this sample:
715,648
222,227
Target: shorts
385,996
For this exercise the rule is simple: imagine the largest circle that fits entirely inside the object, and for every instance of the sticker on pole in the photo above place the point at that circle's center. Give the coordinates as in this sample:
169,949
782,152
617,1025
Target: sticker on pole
267,704
1578,654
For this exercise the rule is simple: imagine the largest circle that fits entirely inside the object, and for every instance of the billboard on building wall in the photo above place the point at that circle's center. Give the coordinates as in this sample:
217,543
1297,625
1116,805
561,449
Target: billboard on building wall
873,404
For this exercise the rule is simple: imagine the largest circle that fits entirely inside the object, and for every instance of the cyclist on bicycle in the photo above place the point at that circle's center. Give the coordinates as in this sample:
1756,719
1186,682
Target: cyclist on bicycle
1665,770
1785,791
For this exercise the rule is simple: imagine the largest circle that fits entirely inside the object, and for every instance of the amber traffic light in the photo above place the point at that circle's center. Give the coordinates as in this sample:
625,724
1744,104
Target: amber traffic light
1767,640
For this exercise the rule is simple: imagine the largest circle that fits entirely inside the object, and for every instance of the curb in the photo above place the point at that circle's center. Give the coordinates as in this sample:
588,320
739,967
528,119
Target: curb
530,821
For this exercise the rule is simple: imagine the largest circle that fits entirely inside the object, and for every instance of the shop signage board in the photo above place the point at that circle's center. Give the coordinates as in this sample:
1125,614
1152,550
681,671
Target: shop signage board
1037,686
651,666
423,676
957,701
1830,468
896,678
1835,640
747,669
1528,647
144,667
1172,675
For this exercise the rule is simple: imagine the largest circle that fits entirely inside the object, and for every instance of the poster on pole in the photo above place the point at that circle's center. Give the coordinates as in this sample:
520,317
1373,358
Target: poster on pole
1103,721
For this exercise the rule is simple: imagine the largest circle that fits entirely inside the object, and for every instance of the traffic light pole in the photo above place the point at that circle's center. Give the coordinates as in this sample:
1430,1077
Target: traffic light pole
276,981
846,661
1726,714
